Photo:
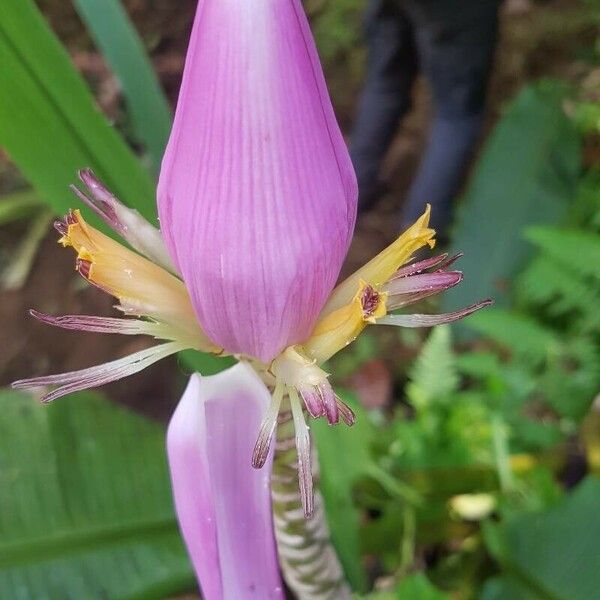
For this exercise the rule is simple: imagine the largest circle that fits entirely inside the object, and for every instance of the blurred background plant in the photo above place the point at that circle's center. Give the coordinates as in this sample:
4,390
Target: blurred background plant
473,469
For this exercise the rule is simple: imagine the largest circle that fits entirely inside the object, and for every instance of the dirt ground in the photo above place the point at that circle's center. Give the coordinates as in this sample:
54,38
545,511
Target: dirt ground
536,40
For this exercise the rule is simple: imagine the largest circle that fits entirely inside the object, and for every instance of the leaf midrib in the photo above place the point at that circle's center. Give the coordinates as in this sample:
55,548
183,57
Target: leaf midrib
65,543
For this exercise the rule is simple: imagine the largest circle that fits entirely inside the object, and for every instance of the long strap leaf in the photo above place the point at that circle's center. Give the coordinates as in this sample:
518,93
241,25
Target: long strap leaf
122,47
49,122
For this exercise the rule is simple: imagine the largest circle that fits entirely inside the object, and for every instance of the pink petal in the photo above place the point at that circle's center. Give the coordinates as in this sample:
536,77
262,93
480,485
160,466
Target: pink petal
330,404
92,377
222,503
257,195
95,323
419,320
127,222
420,266
408,290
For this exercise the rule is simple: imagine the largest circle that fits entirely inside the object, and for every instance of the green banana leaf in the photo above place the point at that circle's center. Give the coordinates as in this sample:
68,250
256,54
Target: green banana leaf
85,503
527,174
122,47
343,457
552,555
49,122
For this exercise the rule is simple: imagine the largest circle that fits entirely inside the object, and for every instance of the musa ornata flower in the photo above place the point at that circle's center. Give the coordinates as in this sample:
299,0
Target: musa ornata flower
257,204
156,302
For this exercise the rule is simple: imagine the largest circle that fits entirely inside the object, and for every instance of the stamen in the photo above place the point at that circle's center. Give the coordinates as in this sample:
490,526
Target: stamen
419,267
437,281
312,401
408,290
329,404
451,261
369,300
127,222
397,302
61,226
83,267
102,201
267,428
303,449
72,217
346,412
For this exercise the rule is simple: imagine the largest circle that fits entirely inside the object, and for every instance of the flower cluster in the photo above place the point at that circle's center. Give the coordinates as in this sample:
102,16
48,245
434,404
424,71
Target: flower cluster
257,204
155,302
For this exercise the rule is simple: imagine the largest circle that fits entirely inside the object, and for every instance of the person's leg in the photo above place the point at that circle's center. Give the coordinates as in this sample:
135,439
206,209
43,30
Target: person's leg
391,70
456,41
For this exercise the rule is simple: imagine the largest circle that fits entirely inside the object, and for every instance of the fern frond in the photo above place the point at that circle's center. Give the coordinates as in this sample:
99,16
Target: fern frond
573,378
561,290
585,211
433,377
479,365
577,250
518,333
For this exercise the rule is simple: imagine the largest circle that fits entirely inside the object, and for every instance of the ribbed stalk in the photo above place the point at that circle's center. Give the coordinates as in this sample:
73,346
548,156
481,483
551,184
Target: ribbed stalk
308,560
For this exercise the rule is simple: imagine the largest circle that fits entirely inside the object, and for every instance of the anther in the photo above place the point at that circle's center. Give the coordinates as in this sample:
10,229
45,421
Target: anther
369,300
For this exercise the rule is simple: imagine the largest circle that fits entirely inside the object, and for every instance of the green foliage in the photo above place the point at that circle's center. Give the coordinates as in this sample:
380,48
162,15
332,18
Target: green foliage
336,26
413,587
560,289
446,430
586,205
18,205
418,587
343,458
587,116
49,123
531,160
436,357
549,555
579,250
522,334
121,46
85,503
493,420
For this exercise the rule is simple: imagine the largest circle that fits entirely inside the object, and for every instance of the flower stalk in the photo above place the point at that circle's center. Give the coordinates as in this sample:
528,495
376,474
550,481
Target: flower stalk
307,559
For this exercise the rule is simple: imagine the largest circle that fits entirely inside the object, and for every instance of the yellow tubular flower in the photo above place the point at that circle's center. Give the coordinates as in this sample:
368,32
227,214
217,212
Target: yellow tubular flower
359,300
341,327
142,287
379,269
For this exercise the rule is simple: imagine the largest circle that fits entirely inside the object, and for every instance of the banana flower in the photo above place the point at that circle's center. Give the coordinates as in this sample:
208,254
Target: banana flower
257,204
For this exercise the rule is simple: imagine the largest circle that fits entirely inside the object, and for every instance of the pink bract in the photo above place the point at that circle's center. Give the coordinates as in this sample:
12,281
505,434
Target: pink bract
257,194
224,505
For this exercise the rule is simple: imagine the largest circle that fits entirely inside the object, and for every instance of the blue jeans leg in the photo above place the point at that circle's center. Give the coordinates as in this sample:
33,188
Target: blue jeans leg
442,169
391,69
